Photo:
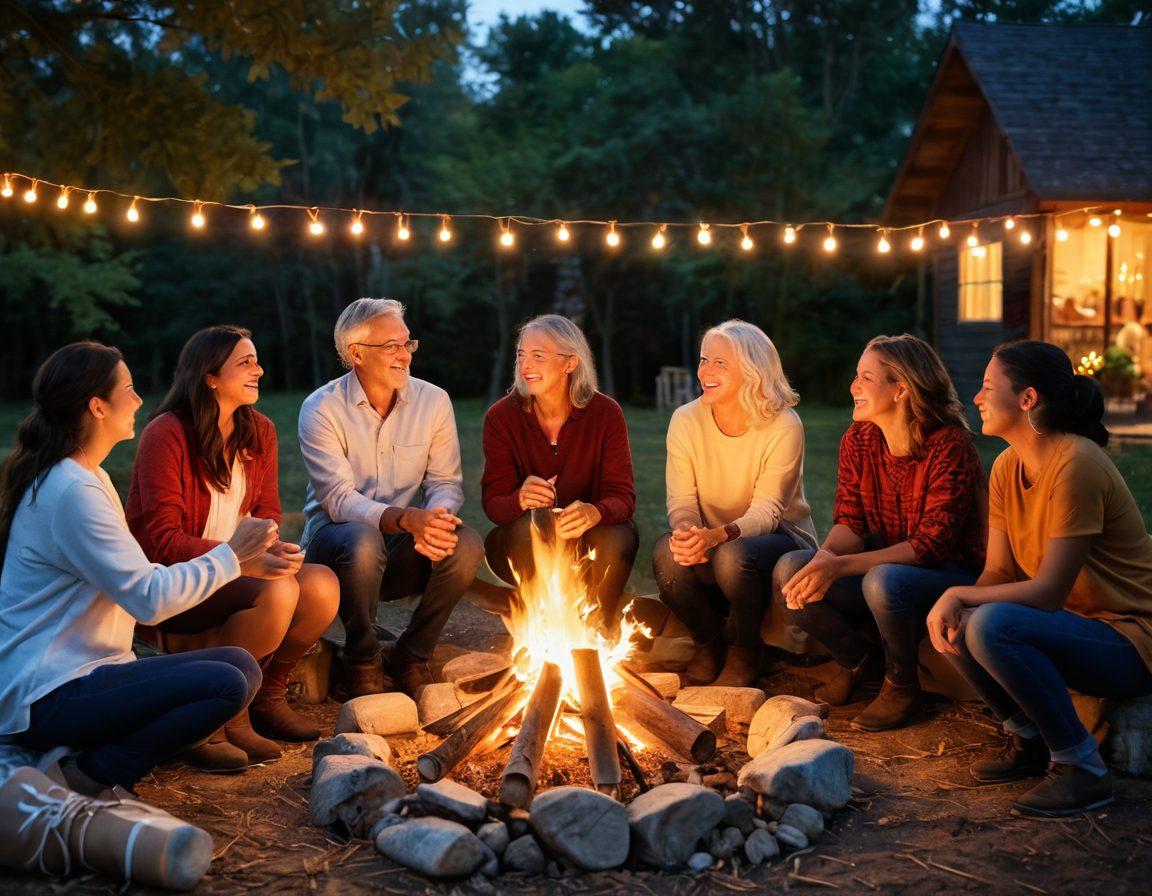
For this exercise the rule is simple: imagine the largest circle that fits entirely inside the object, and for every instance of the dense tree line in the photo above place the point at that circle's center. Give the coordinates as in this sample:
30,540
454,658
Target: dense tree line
658,110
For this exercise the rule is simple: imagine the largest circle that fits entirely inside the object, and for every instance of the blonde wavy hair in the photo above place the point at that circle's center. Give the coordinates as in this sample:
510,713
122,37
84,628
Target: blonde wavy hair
766,390
932,400
569,339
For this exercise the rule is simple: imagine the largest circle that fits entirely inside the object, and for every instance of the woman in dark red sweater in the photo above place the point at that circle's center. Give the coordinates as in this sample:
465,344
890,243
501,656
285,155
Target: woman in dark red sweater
556,443
909,522
206,461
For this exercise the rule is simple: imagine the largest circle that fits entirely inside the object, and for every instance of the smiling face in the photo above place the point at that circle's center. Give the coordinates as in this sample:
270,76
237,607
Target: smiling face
544,368
874,394
237,382
116,414
372,357
719,371
1002,409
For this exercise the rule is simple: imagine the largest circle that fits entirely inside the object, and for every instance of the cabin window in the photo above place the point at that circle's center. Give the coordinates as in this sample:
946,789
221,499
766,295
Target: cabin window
981,283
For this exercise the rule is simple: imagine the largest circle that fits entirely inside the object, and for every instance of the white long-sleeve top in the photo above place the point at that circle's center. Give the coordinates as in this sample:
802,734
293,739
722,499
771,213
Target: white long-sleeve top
755,480
75,581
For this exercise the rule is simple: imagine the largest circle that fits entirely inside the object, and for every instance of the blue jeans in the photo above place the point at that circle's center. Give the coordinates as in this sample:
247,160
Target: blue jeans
727,593
1022,661
896,596
127,718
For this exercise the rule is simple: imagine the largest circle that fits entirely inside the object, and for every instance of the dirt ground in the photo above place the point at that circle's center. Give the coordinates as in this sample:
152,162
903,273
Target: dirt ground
918,825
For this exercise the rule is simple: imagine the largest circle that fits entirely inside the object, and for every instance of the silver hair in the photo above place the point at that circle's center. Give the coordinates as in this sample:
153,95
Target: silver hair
355,317
569,340
766,390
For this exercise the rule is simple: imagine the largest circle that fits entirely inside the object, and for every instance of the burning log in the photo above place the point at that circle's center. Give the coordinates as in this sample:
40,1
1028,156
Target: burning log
522,770
599,725
680,734
629,759
490,716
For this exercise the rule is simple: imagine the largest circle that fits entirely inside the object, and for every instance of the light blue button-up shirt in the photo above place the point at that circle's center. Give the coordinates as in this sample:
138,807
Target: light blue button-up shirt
360,463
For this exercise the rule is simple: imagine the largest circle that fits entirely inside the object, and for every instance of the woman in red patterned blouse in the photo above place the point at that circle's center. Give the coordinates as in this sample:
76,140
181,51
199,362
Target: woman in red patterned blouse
910,521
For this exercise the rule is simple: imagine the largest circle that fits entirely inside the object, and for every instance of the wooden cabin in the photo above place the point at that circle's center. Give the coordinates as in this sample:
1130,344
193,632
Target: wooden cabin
1026,119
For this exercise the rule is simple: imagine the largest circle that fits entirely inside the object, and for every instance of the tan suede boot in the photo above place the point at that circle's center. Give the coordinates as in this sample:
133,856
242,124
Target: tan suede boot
270,713
240,734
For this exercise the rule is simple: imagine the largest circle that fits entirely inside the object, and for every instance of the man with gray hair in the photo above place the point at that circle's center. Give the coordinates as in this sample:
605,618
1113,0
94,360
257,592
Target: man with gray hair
384,489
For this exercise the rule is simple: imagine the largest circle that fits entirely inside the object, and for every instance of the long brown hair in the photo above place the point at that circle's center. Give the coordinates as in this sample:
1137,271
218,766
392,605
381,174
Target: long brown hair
932,399
52,430
191,399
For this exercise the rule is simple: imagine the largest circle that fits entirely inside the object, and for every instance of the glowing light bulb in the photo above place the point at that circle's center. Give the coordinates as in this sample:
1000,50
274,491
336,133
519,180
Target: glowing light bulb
445,234
1025,237
62,200
973,240
356,228
6,191
90,204
918,241
256,220
30,195
198,220
979,251
789,234
507,240
1094,221
1009,223
1113,230
403,233
945,231
1062,235
658,239
883,247
613,238
316,227
746,241
133,214
704,235
830,241
562,234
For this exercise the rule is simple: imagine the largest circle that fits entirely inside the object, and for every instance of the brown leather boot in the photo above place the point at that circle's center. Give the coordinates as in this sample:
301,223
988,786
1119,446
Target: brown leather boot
216,756
838,691
409,673
897,705
741,668
240,734
270,713
706,663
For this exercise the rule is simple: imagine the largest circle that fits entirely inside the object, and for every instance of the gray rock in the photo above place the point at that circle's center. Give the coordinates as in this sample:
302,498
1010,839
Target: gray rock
725,842
436,701
434,846
372,746
782,720
760,824
761,847
451,800
788,836
805,819
382,714
348,789
494,835
817,773
1129,741
519,823
524,854
739,813
740,704
668,820
480,885
490,867
699,861
384,821
587,828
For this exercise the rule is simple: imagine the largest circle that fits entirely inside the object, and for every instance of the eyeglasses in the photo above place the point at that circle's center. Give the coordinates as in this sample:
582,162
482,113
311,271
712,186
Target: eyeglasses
538,357
391,348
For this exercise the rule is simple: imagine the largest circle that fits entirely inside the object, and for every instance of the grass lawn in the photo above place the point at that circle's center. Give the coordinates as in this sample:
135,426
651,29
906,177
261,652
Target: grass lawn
823,427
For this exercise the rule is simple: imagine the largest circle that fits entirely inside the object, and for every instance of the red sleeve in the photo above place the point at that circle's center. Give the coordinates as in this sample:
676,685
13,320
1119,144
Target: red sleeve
500,484
617,499
953,485
267,506
163,471
848,508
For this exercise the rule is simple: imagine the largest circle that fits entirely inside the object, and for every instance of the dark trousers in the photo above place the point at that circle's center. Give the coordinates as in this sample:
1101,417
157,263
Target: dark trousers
509,552
127,718
897,596
372,567
729,593
1022,661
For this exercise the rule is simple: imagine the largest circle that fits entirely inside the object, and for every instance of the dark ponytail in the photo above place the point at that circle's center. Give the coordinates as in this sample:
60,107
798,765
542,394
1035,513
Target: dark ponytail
52,430
1069,402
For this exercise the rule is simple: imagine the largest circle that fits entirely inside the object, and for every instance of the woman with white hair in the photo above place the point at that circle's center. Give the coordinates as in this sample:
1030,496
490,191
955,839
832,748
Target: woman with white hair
556,442
735,501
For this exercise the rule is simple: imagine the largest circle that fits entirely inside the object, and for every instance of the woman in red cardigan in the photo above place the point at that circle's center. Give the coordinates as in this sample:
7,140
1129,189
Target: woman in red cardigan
555,442
206,461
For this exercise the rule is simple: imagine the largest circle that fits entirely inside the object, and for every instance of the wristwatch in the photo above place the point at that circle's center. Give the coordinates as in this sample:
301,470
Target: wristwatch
731,532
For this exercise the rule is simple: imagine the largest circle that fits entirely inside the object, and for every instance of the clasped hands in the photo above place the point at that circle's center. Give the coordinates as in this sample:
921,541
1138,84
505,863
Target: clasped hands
262,555
810,583
690,544
571,522
433,530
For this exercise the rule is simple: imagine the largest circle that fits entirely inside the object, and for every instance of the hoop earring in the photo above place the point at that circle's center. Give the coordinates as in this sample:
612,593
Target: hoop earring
1028,414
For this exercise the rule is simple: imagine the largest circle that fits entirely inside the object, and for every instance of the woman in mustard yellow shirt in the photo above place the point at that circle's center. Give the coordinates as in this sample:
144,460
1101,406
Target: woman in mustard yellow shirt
1065,599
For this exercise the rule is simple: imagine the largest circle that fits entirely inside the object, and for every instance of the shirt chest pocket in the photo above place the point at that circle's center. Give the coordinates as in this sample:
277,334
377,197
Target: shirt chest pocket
409,463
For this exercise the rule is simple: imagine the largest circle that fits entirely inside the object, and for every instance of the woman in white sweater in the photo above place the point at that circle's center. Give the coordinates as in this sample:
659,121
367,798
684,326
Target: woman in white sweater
74,581
735,501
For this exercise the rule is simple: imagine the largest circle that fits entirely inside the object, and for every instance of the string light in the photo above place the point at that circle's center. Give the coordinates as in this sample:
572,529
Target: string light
90,204
402,232
562,234
945,231
918,240
883,247
255,219
1113,230
507,240
973,237
1061,235
789,234
1094,221
704,235
830,241
613,238
445,234
316,226
659,241
30,194
198,219
1025,237
6,191
62,200
133,214
979,251
356,228
746,241
1009,223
